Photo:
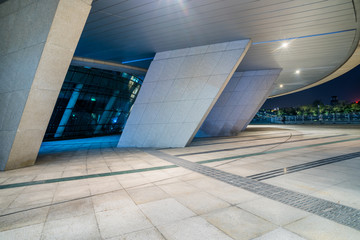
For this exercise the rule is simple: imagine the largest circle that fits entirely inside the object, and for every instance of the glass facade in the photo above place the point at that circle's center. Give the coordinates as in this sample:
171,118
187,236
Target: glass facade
92,102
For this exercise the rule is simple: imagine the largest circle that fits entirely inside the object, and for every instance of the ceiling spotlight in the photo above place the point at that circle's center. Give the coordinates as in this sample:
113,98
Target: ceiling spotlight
281,86
284,45
297,71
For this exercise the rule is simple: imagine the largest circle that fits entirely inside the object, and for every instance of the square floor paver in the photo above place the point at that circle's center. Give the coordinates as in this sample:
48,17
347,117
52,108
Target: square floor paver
32,232
165,211
195,228
24,218
80,227
201,202
113,200
121,221
238,223
280,234
148,234
70,209
318,228
148,194
275,212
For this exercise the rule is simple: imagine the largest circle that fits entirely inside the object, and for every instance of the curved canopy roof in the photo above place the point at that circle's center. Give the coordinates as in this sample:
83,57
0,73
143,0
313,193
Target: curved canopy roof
321,35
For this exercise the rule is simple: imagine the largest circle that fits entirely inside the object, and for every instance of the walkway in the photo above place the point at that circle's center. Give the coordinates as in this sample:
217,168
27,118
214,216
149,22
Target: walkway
270,182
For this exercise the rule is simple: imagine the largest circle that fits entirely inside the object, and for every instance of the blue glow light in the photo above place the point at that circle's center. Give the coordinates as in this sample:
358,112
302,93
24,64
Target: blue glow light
138,60
307,36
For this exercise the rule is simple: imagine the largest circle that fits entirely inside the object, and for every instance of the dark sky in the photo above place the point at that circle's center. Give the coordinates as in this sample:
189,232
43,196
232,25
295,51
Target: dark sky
346,87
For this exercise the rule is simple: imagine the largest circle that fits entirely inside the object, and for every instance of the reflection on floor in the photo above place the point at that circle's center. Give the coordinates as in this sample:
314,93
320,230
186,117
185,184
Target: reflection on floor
89,189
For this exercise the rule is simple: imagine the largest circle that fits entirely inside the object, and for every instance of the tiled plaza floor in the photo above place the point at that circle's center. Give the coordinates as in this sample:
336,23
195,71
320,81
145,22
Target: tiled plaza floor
270,182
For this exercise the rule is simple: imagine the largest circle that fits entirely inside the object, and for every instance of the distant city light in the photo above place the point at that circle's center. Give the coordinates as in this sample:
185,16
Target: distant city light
297,71
281,85
93,99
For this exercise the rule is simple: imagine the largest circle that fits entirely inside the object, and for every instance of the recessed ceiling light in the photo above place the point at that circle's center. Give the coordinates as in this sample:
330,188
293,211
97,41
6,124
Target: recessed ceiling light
281,85
284,45
297,71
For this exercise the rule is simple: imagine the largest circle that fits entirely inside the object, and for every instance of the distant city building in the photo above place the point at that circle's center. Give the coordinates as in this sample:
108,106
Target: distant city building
334,100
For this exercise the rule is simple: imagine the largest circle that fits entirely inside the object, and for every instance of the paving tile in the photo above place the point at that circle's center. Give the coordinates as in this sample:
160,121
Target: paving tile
238,223
148,234
70,209
80,227
70,193
234,195
273,211
120,221
113,200
32,232
201,202
315,227
104,187
165,211
195,228
24,218
147,194
280,234
32,198
178,188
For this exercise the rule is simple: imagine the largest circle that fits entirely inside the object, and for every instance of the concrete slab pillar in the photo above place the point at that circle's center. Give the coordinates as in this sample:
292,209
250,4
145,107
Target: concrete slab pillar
242,98
179,90
38,40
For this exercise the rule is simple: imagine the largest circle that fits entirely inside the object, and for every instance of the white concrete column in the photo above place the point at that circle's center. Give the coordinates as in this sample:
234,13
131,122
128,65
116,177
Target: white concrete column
242,98
38,40
179,90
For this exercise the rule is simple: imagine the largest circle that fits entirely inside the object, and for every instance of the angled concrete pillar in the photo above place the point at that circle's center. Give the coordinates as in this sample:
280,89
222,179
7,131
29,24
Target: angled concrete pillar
38,40
242,98
179,90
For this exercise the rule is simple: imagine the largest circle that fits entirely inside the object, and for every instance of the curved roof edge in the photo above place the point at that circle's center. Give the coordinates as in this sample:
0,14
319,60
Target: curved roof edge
351,63
88,62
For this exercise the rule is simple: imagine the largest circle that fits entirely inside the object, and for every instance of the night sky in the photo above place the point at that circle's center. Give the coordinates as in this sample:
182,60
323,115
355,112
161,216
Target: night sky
346,87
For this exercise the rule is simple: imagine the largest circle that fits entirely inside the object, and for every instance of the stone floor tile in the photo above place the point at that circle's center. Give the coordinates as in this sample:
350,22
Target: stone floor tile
32,198
280,234
70,209
79,227
23,218
113,200
195,228
147,194
70,193
318,228
201,202
109,186
275,212
148,234
165,211
178,188
121,221
32,232
238,223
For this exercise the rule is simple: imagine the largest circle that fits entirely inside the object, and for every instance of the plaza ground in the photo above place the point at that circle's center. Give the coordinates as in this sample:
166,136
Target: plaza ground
269,182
